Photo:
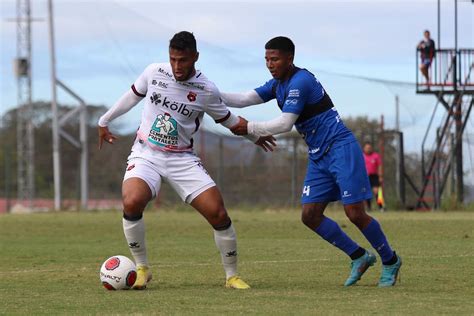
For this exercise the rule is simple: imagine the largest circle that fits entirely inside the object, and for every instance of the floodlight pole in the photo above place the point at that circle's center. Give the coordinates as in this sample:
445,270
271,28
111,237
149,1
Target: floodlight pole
54,111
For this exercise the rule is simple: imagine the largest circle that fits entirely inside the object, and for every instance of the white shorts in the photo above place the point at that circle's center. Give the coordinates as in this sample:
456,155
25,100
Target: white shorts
183,171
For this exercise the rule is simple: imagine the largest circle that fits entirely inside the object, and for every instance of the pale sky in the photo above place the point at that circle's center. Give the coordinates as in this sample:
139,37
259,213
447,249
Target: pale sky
102,46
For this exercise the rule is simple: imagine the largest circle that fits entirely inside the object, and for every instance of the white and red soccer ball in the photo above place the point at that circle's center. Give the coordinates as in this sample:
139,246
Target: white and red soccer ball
118,273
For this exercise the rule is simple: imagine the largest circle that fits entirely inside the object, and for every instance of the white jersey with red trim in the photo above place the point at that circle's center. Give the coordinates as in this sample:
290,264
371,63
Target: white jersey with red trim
173,109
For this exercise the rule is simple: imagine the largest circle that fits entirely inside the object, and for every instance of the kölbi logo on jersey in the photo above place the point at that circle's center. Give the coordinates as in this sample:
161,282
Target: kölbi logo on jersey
172,105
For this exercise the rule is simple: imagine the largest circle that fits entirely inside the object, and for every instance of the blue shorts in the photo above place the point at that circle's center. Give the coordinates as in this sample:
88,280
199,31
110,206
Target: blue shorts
338,175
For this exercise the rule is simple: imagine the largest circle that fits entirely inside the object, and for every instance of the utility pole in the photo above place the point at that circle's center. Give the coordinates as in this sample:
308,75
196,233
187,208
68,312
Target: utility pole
54,110
382,152
401,170
399,176
397,113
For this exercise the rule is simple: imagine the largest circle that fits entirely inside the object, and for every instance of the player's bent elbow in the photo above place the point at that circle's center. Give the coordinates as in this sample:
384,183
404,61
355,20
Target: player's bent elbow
287,127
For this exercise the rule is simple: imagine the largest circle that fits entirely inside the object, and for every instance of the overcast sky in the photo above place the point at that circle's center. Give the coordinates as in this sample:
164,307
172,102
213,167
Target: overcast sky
102,46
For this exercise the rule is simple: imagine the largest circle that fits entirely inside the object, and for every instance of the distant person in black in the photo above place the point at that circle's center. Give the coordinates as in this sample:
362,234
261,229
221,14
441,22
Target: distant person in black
427,53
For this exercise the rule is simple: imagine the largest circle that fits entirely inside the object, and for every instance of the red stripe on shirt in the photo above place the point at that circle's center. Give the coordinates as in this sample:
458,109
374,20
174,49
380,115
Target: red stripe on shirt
223,119
141,95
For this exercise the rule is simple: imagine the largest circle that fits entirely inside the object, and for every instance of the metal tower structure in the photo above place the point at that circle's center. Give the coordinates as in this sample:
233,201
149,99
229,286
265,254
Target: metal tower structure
58,122
452,83
25,129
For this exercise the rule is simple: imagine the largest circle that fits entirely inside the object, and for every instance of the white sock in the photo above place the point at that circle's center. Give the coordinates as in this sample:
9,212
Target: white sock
135,234
226,242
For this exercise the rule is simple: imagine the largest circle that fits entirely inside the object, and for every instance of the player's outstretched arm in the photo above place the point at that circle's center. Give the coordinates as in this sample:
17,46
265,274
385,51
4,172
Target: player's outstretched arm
123,105
218,110
282,124
267,142
241,100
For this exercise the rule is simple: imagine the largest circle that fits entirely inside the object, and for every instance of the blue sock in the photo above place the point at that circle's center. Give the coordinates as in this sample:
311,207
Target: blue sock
330,231
374,234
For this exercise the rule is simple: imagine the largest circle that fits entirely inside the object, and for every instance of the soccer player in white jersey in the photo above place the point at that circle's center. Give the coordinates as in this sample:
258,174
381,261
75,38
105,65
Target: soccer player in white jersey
176,98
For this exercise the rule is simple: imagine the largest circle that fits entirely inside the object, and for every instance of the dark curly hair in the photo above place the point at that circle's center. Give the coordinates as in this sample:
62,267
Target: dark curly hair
183,40
281,43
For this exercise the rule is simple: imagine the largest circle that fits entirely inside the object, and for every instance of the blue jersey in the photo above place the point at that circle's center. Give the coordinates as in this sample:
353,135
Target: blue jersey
318,121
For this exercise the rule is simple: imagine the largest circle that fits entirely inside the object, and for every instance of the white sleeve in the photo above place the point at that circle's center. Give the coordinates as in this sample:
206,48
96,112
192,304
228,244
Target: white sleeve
241,100
216,108
232,121
140,86
123,105
279,125
251,137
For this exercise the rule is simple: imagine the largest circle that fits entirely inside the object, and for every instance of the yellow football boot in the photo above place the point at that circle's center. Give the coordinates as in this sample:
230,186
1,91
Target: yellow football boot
143,277
236,282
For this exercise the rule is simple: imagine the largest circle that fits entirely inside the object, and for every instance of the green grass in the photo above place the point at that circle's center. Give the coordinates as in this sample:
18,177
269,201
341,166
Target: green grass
49,265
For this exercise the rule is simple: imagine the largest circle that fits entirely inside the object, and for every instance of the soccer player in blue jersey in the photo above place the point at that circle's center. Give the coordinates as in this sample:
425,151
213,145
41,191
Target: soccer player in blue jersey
336,169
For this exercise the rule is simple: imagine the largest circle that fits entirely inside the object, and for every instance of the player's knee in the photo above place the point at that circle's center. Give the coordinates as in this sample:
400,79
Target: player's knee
218,218
133,204
311,216
224,223
357,215
355,218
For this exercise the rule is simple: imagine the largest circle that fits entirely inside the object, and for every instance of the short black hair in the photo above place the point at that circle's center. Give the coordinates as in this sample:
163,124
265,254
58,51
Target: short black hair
281,43
184,40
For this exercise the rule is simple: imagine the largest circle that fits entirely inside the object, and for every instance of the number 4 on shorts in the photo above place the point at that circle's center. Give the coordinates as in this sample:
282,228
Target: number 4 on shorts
306,190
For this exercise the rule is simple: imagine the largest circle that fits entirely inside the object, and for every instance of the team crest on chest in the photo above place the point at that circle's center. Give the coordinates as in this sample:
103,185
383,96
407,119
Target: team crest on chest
192,96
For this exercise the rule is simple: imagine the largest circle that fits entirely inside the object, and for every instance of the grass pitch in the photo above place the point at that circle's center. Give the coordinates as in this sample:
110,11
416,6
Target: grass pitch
50,262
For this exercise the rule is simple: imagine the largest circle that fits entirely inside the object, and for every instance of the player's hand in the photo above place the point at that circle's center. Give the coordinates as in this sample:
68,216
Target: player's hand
380,179
241,127
266,142
105,135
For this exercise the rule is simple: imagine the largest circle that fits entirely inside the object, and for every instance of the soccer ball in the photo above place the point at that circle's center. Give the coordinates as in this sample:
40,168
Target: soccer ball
118,273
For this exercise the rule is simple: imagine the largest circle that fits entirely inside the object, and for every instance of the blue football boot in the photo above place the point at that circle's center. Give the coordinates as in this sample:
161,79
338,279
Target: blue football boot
359,266
390,273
